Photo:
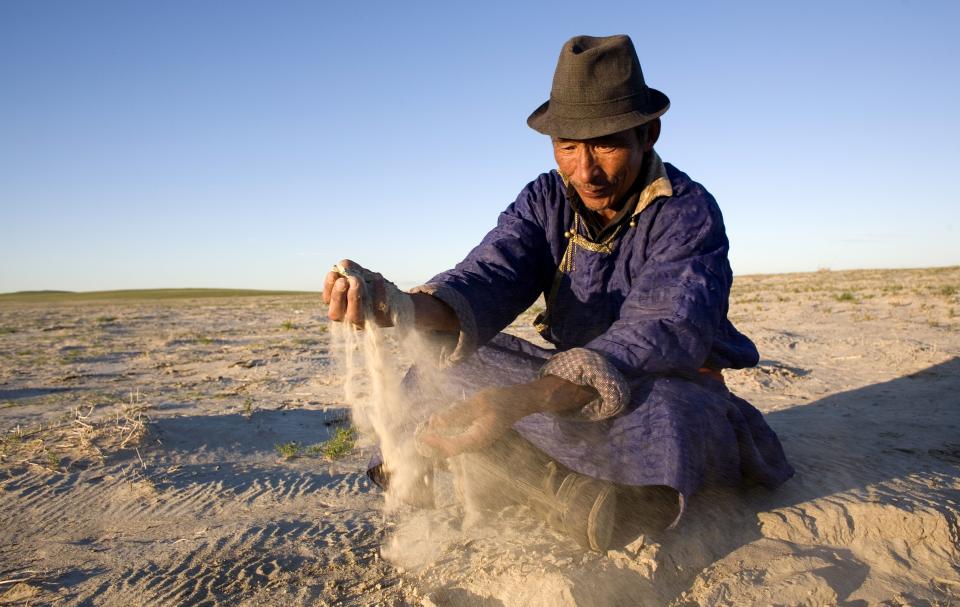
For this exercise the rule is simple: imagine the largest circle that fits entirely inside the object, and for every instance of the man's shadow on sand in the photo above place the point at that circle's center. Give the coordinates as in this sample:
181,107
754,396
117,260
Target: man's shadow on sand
863,443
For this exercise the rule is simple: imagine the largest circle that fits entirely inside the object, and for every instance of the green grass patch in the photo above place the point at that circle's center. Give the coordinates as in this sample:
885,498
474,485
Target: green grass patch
288,326
137,294
7,330
288,450
340,445
846,296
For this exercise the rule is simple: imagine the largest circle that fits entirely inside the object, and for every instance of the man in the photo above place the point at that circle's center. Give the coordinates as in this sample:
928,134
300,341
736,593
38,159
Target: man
612,432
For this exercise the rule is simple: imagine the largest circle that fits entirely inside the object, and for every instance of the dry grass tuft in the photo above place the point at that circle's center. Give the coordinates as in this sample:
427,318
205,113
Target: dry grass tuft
81,439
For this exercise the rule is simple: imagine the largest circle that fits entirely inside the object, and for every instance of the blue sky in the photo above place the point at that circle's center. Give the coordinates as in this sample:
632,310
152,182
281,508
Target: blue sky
253,144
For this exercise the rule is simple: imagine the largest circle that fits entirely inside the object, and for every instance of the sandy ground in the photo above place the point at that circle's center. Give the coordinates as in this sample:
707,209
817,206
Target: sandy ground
139,465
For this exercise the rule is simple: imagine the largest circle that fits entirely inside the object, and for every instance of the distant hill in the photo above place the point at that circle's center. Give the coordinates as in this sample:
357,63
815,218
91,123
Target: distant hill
132,294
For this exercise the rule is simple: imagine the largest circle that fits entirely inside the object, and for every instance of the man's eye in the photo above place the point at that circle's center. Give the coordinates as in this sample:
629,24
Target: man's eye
605,147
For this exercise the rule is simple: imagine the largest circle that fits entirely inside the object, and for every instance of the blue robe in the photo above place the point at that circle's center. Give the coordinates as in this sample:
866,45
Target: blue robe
639,313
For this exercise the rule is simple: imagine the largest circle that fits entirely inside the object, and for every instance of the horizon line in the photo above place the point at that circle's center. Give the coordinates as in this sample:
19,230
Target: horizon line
241,290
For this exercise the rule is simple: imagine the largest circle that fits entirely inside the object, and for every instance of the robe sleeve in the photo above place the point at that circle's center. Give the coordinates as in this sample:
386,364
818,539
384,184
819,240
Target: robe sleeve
676,304
501,277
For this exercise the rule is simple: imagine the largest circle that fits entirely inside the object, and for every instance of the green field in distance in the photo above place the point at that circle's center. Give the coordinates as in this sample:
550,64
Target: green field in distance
66,296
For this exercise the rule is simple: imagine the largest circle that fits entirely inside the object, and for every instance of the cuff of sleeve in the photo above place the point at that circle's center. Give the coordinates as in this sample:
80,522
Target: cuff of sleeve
467,340
588,368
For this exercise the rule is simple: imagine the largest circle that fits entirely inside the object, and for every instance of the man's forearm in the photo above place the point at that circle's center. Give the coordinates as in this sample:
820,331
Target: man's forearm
432,314
551,394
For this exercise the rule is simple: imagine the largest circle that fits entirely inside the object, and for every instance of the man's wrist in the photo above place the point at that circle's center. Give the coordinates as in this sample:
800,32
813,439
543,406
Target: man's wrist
430,313
552,394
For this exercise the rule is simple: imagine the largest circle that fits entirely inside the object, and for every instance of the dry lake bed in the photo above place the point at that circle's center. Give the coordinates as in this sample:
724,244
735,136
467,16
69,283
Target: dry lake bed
197,450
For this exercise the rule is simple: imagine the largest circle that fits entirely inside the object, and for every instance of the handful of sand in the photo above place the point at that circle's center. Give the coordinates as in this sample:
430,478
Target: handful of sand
427,450
395,304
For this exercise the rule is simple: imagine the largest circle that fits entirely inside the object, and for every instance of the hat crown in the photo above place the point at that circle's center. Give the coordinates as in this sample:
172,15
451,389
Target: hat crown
598,89
594,69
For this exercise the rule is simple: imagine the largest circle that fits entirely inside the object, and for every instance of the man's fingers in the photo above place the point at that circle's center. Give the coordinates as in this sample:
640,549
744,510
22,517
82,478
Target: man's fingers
354,302
429,443
476,437
344,296
352,309
457,415
461,427
438,421
438,445
338,299
473,438
332,277
328,286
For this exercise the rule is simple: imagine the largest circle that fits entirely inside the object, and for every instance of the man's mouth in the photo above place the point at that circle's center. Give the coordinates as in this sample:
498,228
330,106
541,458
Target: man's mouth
595,192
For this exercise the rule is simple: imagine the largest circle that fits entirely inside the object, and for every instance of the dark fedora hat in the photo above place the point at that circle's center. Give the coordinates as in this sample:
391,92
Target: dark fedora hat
598,89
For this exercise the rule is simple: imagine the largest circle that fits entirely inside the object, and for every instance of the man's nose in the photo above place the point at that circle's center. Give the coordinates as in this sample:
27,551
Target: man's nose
586,169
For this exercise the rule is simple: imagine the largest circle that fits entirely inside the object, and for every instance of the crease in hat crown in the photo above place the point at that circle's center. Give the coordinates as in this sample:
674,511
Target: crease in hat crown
598,89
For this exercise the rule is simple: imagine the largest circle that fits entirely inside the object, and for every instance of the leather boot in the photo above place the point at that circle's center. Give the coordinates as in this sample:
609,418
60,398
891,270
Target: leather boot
584,507
513,471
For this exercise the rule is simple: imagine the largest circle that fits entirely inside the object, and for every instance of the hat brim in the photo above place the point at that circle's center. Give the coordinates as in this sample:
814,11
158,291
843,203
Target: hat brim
549,123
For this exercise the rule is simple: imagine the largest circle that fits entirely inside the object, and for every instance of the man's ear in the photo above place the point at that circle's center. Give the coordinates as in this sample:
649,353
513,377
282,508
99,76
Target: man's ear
652,134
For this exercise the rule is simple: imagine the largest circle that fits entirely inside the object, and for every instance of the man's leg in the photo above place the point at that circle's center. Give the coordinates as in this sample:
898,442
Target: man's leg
510,471
642,511
596,513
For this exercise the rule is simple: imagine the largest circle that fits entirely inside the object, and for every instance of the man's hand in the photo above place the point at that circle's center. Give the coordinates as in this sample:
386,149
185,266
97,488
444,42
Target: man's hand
344,296
477,422
472,424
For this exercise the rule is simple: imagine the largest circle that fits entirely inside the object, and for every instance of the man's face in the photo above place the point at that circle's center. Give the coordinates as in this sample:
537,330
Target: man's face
601,170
